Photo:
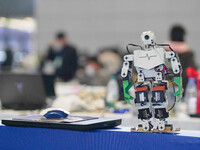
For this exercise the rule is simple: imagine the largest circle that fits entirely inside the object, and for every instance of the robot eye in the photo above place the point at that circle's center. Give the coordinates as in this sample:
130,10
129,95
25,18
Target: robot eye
146,37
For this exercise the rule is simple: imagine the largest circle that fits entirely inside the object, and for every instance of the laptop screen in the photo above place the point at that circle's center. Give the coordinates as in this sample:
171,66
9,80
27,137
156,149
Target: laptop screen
22,91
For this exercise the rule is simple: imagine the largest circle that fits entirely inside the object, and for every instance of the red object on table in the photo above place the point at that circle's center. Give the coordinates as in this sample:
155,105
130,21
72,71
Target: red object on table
192,73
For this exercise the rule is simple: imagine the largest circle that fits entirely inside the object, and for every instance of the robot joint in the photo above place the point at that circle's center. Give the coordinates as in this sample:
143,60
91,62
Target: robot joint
142,95
158,94
161,113
144,113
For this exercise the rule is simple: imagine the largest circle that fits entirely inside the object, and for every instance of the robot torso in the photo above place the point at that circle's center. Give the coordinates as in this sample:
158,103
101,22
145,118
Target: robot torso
149,63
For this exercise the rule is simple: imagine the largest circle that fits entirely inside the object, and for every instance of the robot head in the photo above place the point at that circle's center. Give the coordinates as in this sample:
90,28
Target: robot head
148,39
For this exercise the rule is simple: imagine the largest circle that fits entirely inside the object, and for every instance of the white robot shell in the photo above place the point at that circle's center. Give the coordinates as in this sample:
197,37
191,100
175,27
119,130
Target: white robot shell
148,38
149,59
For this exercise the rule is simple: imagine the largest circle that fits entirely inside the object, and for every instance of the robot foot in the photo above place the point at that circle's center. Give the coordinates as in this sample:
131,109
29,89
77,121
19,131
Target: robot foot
165,128
161,125
145,127
168,128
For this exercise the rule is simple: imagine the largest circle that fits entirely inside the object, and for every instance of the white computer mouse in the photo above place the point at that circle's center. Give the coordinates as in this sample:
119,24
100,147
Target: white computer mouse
54,113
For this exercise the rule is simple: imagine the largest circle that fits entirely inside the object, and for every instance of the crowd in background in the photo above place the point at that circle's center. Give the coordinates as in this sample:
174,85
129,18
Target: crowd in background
64,62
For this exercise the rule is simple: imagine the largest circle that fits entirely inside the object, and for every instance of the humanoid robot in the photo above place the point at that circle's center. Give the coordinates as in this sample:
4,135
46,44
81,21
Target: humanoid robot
152,64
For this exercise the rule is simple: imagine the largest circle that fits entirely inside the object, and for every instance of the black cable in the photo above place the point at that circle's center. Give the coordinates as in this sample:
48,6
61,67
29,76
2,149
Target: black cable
174,98
127,49
166,45
132,45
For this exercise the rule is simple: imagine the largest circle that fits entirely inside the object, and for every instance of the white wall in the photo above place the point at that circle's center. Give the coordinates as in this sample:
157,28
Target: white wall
92,24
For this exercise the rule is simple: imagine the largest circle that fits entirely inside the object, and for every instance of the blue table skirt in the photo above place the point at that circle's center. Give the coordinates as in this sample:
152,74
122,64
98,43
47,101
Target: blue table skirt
20,138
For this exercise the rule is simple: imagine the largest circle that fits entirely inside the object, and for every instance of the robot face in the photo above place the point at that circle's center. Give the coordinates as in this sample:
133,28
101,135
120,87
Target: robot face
148,38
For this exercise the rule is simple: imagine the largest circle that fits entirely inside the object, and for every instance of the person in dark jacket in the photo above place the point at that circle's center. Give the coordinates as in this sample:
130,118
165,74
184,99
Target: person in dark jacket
178,44
63,58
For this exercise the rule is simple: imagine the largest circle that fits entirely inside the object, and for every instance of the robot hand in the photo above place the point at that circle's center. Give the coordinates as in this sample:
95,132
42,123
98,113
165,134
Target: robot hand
178,81
126,87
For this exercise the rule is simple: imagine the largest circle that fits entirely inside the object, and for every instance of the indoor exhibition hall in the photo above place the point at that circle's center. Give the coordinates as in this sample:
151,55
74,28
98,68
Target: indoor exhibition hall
99,75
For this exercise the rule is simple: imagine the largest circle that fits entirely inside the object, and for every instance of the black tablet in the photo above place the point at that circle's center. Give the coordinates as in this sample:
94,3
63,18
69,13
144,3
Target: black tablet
81,123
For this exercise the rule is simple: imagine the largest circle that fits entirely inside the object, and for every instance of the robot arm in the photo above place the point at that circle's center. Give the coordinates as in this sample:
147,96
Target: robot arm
126,74
177,70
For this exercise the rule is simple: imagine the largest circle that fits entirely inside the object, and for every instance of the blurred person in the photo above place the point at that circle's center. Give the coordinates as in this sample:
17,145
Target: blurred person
7,64
91,74
178,44
111,62
61,59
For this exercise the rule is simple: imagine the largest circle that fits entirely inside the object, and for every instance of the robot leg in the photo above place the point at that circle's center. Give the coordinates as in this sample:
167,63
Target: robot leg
159,104
143,105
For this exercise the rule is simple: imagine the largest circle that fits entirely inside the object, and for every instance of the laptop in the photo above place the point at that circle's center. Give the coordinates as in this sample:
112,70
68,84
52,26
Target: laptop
80,123
22,91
